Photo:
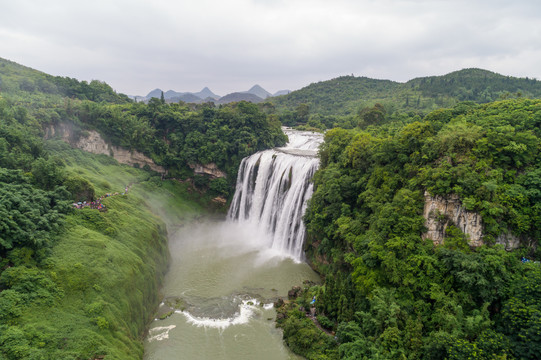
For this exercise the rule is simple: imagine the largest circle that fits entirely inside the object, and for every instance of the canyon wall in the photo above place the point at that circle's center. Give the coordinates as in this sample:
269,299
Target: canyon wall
91,141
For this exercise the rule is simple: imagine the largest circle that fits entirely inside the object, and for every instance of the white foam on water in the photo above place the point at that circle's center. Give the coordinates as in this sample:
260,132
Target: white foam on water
160,333
246,312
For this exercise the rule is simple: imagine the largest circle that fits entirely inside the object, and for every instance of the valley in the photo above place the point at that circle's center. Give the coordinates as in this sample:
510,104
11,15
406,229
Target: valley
406,216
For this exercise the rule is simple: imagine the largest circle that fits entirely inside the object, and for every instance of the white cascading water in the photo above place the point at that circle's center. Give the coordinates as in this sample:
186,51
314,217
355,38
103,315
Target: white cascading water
273,187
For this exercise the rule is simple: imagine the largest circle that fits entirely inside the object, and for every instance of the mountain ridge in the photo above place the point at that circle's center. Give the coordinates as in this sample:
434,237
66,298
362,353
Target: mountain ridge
345,95
349,94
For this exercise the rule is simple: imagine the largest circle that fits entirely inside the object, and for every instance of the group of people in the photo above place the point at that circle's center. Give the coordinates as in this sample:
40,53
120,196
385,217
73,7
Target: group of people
96,204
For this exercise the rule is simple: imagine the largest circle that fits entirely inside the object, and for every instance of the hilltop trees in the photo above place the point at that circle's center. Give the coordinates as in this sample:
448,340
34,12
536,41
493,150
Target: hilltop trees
389,293
176,136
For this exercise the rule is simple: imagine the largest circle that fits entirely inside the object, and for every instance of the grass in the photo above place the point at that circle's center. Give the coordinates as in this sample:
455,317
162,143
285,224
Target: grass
105,269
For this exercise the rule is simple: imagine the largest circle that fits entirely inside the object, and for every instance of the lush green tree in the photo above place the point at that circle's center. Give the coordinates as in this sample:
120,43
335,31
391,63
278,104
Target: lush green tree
411,299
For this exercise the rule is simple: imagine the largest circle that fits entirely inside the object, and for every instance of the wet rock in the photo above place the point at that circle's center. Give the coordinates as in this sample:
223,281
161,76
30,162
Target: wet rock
294,292
278,303
220,200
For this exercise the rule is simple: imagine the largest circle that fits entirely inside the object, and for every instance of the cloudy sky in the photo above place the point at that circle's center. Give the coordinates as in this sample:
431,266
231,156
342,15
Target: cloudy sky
230,45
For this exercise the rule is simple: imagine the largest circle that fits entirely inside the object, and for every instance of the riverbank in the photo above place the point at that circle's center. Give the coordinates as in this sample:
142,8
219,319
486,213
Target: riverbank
92,294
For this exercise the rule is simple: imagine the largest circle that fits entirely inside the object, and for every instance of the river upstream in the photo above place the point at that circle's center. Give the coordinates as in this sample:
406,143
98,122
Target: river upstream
224,276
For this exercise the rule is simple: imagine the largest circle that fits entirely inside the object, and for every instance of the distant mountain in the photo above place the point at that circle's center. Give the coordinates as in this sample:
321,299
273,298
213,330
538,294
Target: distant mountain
348,94
281,92
156,93
169,94
174,96
255,94
206,93
239,96
186,97
259,91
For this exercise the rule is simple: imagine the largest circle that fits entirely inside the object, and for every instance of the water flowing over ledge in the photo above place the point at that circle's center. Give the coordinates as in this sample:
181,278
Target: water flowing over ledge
273,187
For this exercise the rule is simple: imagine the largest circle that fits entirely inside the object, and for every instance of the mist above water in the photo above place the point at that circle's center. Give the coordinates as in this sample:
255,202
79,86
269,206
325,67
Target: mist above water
225,275
227,286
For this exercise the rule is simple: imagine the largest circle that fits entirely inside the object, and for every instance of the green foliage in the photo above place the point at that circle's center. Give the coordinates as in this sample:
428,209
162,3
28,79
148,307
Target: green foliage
93,294
521,313
355,96
395,295
79,188
304,338
301,333
29,216
220,186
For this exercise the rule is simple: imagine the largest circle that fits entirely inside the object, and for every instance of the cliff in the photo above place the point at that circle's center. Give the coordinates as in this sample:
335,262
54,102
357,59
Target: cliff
91,141
441,212
208,169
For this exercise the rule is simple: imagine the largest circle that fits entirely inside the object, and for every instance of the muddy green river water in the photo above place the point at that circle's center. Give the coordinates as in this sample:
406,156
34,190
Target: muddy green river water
223,285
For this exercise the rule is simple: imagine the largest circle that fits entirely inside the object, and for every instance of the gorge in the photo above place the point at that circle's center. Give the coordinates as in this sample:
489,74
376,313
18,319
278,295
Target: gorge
225,276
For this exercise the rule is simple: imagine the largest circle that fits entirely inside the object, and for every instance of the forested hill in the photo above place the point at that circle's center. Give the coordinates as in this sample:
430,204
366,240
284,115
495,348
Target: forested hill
82,282
337,96
21,81
390,292
348,94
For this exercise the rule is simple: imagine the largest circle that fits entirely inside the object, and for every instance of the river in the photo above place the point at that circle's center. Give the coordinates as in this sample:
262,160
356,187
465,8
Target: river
225,275
227,289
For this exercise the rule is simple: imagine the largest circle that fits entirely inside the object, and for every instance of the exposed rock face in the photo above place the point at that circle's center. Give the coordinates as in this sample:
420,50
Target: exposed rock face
294,292
509,240
440,213
91,141
208,169
220,200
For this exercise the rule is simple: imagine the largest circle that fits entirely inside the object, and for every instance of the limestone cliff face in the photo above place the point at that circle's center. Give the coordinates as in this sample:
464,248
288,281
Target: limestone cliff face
208,169
510,241
91,141
441,212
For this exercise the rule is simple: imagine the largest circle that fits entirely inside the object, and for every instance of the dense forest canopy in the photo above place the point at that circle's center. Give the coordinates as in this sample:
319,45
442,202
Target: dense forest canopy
390,294
347,95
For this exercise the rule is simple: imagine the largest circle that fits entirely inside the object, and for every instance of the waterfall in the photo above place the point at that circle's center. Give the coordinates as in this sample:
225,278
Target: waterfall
273,187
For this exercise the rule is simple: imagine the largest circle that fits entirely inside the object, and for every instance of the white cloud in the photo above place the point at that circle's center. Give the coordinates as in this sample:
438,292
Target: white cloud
230,45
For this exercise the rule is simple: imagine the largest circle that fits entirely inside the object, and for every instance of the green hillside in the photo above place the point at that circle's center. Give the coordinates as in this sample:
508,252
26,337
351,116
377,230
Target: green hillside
347,95
391,294
19,82
340,96
82,283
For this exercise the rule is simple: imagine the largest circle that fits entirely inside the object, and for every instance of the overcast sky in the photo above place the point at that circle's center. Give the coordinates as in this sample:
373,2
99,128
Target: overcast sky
229,45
